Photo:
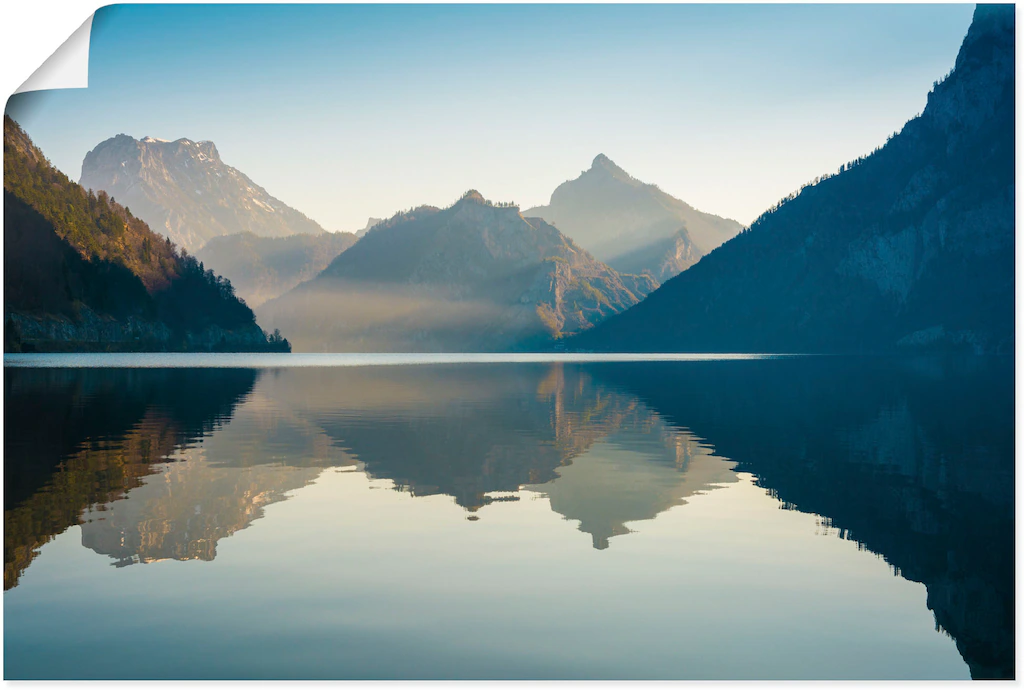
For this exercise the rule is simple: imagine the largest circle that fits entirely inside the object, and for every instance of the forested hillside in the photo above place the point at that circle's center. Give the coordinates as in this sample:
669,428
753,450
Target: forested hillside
910,247
81,272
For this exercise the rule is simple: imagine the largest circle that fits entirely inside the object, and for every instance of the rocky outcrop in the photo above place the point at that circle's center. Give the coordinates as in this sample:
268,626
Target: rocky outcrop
184,190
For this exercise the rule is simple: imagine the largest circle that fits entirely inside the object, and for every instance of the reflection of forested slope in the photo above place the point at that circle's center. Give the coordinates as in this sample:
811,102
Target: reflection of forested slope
216,490
912,459
78,437
460,431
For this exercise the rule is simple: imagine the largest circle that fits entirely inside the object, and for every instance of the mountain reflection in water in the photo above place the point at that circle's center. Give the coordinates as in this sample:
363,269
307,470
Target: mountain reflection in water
911,459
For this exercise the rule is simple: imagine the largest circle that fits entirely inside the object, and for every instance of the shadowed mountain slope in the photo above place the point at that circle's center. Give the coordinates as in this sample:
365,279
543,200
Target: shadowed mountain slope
117,426
661,259
911,246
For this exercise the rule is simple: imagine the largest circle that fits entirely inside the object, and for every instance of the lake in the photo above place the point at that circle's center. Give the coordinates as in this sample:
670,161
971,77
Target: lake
528,516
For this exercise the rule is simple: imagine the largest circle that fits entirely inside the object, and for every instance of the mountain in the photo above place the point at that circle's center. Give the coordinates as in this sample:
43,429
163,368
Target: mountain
473,276
618,217
184,190
82,273
909,247
263,268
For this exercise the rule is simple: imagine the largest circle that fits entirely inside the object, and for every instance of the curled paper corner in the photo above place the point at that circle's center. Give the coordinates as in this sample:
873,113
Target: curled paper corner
68,67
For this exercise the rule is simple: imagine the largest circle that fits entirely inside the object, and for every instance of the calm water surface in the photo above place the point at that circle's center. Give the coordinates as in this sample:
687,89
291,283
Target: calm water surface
291,516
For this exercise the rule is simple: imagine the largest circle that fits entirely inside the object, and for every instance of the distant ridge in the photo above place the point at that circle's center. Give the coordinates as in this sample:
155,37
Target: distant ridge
262,268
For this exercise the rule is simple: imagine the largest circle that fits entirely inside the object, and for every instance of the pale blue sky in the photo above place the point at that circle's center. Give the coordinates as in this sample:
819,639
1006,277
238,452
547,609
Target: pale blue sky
350,111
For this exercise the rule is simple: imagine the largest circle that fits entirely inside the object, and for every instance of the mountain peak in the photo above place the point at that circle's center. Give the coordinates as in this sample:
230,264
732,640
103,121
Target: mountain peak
603,162
473,196
208,149
613,214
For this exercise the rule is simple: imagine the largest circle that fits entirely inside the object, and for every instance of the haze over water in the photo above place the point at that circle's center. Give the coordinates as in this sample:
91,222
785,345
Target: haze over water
820,517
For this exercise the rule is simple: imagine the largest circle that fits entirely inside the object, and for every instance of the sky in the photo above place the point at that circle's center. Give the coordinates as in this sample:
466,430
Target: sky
347,112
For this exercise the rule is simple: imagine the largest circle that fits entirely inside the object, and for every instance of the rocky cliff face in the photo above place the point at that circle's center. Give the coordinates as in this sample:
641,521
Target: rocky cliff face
184,190
262,268
626,222
910,247
474,276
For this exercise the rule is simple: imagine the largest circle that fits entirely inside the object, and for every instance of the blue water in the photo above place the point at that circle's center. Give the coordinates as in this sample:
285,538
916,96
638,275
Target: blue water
507,516
272,360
